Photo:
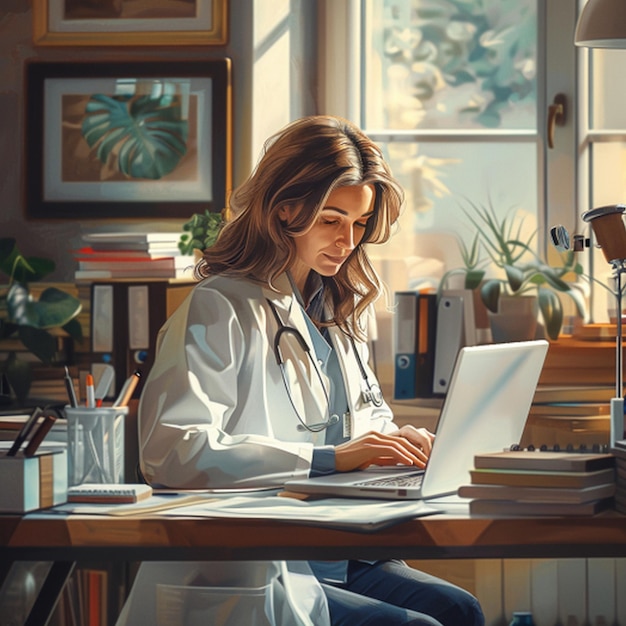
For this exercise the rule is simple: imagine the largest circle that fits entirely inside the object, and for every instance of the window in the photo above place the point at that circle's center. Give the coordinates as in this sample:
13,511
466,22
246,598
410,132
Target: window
456,92
602,149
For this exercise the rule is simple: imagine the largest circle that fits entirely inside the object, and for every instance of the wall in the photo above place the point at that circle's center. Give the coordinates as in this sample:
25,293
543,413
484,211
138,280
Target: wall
272,59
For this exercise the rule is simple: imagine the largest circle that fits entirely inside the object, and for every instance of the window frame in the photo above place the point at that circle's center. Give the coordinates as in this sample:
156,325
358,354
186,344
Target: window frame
558,193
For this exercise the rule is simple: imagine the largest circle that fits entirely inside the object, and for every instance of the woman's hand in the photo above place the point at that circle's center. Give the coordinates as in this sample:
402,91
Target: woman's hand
420,437
406,446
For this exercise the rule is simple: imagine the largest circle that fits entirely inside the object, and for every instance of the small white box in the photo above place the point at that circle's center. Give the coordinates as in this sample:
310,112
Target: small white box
28,483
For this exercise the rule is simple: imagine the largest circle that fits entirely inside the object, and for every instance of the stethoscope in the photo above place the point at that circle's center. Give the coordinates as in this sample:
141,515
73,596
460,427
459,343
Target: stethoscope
370,393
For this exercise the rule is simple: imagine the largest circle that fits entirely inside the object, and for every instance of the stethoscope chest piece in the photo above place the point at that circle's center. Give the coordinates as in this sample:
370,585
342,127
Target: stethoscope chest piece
373,395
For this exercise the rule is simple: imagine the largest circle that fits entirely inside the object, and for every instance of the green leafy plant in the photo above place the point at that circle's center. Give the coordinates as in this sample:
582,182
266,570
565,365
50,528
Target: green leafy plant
472,264
524,271
145,136
200,232
31,321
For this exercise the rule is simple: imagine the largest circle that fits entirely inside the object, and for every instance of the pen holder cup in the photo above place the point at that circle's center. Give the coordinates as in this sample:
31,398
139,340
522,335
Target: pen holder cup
95,439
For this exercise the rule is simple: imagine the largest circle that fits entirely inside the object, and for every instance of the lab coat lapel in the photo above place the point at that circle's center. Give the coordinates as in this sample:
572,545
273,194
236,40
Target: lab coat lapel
347,363
287,307
291,314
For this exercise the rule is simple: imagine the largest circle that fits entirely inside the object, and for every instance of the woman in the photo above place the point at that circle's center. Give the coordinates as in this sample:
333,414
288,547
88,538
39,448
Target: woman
233,399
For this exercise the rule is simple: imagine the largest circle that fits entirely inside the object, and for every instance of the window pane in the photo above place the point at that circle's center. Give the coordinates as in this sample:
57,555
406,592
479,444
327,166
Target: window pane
440,178
608,90
453,64
609,187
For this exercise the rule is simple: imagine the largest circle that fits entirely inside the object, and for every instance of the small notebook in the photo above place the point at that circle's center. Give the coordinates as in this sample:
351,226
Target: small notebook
486,407
109,493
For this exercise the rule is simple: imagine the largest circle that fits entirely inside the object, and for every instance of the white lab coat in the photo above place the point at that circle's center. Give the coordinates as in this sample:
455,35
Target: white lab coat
215,412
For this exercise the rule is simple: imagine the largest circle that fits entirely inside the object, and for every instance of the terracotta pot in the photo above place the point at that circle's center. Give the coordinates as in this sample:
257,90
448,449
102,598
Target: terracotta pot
516,319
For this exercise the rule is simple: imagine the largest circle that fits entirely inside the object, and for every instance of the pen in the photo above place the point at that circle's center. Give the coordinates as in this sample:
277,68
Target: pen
24,432
127,390
91,392
42,430
69,385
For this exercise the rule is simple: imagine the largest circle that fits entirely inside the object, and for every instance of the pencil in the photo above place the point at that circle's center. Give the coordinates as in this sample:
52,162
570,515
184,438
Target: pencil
127,390
69,385
42,430
24,432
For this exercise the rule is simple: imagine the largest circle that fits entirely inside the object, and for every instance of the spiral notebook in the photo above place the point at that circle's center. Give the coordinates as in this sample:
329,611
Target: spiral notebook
485,409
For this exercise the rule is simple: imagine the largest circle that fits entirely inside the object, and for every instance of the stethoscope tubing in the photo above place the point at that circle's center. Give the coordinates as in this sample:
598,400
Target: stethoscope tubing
369,394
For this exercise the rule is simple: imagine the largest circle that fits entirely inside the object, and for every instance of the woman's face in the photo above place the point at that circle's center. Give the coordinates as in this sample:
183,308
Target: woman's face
339,228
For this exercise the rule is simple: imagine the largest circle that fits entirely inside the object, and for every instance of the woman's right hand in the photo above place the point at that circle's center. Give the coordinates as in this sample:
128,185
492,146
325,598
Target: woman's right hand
375,448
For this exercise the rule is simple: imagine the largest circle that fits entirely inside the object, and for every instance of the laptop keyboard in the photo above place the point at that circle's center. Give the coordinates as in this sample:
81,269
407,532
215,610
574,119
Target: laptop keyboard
406,480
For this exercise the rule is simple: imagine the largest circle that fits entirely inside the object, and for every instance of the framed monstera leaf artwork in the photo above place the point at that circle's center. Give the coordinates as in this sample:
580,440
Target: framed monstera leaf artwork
127,140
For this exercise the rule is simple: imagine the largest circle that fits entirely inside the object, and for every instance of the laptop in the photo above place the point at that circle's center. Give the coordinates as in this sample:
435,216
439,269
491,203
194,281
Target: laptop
485,410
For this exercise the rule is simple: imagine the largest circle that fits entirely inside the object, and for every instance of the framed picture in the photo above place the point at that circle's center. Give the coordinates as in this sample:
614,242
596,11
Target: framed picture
127,140
129,22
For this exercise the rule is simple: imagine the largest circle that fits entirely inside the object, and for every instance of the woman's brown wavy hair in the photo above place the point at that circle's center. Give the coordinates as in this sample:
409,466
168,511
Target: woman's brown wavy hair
300,166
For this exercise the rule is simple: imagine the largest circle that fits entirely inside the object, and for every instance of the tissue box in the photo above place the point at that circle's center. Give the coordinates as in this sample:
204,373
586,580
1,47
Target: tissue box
34,482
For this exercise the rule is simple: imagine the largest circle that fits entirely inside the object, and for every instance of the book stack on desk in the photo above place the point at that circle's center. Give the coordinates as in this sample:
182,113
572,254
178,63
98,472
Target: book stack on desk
619,452
541,482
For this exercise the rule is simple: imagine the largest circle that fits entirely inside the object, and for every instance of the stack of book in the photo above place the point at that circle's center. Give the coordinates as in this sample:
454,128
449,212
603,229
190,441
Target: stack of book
541,482
619,452
132,255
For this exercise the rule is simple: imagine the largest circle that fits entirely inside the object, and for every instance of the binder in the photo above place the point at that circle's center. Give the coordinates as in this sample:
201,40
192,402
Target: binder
449,340
414,344
102,318
469,321
126,319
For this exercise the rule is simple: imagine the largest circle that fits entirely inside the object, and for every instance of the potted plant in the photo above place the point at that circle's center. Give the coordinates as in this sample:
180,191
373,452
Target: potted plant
200,232
524,272
472,264
29,323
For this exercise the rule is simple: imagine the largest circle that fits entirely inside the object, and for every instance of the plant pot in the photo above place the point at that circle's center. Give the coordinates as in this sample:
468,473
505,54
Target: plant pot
516,319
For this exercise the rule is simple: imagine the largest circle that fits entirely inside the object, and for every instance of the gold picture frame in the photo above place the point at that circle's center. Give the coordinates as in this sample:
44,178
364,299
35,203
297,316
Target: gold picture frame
90,25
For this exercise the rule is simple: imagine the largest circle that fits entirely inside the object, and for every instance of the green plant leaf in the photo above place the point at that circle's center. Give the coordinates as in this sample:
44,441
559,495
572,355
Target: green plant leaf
74,329
7,329
54,307
200,232
490,294
148,134
473,278
40,342
19,374
19,268
551,312
515,277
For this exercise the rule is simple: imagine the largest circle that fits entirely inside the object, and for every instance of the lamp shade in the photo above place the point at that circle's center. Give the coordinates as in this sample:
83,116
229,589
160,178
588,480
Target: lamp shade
602,24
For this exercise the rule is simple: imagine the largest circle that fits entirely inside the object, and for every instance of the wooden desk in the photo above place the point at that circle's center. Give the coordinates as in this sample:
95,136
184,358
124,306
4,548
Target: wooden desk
434,537
117,540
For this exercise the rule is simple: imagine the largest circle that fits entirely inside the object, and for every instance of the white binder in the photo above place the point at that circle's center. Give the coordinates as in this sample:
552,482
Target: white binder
449,340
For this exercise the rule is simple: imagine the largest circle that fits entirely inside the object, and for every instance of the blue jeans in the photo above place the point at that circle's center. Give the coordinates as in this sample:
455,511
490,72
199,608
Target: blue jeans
391,592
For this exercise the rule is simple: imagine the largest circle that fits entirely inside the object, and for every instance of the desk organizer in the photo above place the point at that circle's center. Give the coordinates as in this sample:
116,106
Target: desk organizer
28,483
95,440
